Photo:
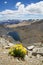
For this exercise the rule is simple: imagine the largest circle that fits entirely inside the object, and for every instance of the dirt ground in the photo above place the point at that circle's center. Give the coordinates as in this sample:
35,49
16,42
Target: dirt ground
5,59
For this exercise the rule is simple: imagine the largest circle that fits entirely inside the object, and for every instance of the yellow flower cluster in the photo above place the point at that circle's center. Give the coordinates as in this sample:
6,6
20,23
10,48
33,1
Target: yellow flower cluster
18,47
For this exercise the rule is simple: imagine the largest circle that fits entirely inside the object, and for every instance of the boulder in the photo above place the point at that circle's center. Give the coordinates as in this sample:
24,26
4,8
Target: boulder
10,44
26,58
7,47
30,47
38,56
35,50
38,51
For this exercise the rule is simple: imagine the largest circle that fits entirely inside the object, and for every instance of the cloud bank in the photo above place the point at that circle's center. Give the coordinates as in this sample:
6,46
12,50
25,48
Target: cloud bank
33,10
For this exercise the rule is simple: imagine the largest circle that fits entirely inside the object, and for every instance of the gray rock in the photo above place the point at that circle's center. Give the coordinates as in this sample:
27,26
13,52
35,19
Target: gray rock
35,50
30,47
7,47
38,56
10,44
26,58
38,51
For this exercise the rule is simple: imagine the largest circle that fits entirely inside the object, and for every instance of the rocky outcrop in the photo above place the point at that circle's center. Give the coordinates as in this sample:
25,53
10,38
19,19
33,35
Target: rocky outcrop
5,43
37,51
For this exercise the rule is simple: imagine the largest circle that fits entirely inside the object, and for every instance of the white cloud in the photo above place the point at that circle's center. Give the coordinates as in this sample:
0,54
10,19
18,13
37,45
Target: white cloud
7,12
5,2
34,9
18,3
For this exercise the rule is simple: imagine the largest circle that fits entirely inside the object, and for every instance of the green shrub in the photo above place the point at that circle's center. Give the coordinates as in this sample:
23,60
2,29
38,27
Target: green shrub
18,50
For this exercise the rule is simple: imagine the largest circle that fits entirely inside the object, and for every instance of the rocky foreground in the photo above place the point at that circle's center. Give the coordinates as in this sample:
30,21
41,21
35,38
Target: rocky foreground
34,57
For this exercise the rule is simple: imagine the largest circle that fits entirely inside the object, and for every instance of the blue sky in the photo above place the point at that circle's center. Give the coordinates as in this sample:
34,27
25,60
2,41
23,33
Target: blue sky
21,9
11,3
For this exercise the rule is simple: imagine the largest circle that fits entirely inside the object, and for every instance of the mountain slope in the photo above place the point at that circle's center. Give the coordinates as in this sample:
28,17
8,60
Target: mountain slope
30,34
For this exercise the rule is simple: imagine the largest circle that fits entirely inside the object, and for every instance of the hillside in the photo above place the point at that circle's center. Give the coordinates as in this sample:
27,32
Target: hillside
9,34
23,23
6,59
30,34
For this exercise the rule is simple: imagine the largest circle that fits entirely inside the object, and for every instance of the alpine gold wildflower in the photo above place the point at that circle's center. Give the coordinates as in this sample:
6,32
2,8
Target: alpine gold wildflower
18,50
